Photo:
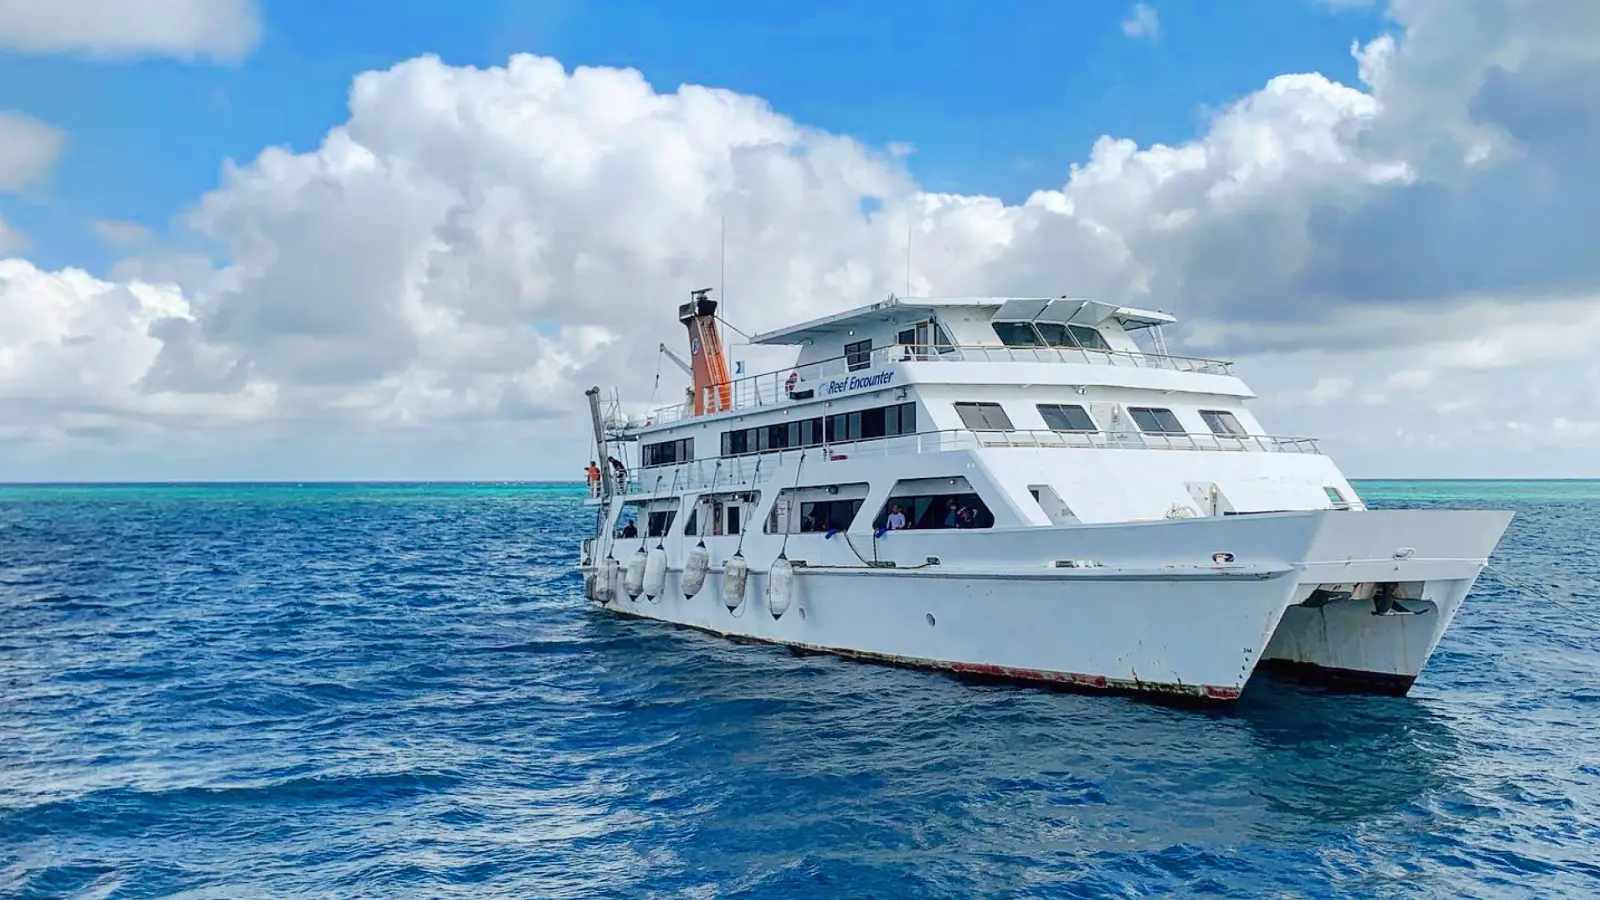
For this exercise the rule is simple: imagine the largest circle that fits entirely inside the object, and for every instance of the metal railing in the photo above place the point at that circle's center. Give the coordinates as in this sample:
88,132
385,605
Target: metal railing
758,468
794,383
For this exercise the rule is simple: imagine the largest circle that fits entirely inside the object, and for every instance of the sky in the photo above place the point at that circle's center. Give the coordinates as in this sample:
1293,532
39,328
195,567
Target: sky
397,239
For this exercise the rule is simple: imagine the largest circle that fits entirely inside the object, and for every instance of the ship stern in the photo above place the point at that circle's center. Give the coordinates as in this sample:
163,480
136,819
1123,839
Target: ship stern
1375,595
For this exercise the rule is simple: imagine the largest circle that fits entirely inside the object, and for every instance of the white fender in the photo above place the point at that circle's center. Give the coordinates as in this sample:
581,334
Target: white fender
633,583
655,573
780,587
606,585
591,584
694,571
735,572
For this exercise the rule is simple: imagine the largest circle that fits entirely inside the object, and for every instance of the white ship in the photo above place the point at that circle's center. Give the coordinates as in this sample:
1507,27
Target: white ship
1014,487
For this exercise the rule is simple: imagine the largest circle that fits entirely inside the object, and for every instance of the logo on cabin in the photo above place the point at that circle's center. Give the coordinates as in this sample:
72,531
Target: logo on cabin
857,382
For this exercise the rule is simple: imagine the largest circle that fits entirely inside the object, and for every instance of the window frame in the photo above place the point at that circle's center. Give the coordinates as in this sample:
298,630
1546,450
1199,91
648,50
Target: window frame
1061,408
1223,416
982,408
858,355
1155,412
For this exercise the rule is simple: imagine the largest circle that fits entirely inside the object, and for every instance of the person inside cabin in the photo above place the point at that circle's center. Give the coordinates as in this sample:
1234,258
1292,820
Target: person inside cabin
897,518
630,530
966,516
950,514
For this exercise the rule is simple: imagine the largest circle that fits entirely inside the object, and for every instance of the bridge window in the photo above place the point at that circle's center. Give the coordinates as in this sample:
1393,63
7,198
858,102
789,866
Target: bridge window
1089,338
1155,421
1017,334
858,355
984,416
1065,417
1222,422
666,453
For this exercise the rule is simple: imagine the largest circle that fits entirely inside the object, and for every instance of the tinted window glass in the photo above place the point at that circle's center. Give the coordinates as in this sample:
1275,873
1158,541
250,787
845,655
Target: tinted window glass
1062,417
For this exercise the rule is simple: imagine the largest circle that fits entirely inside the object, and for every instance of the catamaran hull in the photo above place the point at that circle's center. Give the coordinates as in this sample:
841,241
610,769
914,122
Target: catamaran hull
1362,604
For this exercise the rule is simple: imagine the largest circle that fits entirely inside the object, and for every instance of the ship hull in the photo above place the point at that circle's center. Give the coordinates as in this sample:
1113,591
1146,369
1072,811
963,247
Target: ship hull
1357,600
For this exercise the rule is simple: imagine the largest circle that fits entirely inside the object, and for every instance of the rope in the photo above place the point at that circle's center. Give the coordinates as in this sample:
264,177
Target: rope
711,507
1532,594
799,464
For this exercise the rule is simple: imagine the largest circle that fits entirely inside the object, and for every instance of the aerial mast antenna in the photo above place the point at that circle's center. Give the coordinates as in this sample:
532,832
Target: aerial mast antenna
722,278
908,255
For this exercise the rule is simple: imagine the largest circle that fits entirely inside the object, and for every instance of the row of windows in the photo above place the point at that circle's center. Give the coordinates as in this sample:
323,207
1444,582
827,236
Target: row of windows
1070,417
901,418
861,425
668,452
1050,334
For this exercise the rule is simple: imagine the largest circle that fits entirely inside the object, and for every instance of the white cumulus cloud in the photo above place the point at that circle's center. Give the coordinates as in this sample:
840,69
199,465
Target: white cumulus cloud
474,247
223,30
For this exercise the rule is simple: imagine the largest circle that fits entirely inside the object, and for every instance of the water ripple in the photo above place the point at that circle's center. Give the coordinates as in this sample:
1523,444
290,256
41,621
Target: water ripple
393,691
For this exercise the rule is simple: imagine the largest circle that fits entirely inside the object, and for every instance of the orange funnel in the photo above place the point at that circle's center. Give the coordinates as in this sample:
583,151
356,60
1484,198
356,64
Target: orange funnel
713,390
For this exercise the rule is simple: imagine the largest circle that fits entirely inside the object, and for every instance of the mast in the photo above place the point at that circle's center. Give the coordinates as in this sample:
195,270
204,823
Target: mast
604,461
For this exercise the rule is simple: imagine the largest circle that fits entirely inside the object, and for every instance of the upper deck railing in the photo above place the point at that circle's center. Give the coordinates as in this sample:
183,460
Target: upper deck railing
804,381
756,468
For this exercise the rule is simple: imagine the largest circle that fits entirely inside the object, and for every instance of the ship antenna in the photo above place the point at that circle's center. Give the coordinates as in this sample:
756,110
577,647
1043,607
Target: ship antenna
908,255
722,262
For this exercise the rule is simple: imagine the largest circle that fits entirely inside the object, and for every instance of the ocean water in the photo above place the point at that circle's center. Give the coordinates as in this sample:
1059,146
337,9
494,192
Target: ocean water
399,691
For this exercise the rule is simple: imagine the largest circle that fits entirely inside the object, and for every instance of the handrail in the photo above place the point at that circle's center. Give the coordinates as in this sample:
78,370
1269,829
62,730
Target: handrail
742,470
773,388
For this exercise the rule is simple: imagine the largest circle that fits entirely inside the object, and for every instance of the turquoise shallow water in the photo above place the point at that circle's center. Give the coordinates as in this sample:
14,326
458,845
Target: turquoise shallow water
398,691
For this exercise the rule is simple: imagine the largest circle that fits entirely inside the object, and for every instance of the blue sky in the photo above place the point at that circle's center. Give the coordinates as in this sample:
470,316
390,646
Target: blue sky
997,98
1370,205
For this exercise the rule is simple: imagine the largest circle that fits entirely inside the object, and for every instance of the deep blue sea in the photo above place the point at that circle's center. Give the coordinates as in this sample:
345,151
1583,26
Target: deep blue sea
399,691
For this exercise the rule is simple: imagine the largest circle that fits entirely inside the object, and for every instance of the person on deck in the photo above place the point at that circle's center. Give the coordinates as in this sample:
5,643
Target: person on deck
593,473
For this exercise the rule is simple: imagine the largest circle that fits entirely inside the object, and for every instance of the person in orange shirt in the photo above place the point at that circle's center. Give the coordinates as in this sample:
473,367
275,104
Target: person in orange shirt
594,477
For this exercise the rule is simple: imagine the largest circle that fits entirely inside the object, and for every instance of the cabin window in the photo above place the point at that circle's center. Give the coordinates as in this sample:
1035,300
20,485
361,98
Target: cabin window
1089,338
1222,422
666,453
1017,334
984,416
858,355
935,503
1155,421
860,425
693,521
868,424
1336,498
659,522
816,509
1066,417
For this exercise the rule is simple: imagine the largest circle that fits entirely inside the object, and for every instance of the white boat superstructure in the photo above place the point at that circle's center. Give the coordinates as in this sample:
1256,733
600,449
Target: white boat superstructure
1014,487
